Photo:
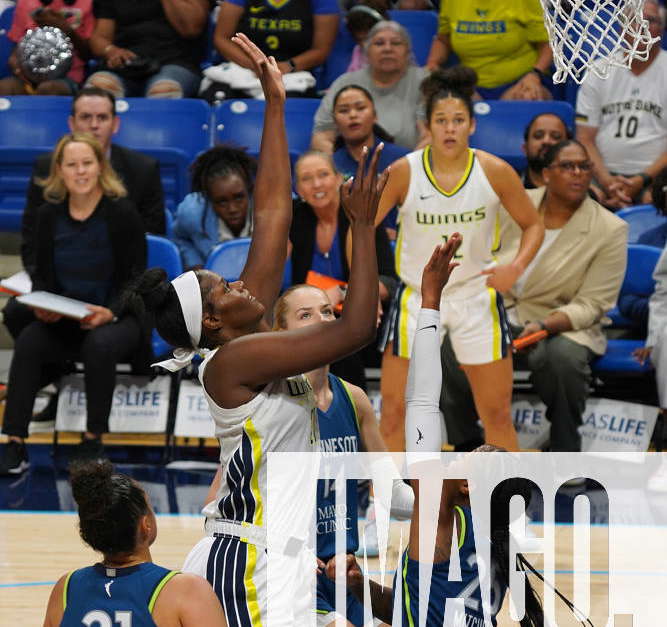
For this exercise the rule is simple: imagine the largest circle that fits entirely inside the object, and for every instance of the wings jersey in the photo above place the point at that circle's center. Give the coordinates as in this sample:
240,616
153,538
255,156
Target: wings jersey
429,215
98,595
467,589
282,417
339,434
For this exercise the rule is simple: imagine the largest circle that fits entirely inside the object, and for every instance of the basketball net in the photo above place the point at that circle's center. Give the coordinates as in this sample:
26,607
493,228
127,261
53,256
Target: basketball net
595,35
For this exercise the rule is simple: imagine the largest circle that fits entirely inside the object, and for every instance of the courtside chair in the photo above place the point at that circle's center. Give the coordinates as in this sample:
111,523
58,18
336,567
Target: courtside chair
638,278
163,253
228,260
640,219
500,125
617,366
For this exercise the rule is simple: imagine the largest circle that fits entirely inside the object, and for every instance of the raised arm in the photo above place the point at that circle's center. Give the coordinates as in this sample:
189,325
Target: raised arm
422,393
256,359
272,214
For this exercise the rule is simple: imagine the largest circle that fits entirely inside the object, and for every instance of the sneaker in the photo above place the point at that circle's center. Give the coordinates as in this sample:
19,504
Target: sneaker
15,460
89,450
45,420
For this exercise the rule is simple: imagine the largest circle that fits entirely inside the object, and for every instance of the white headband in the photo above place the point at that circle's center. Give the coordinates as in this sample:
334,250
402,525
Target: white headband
189,296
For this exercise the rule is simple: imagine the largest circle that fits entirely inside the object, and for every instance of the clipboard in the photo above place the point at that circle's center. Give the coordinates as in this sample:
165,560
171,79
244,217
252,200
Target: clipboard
69,307
325,282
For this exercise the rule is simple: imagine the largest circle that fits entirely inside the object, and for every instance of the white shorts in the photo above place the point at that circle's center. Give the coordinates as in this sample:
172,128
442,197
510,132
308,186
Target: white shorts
251,591
477,325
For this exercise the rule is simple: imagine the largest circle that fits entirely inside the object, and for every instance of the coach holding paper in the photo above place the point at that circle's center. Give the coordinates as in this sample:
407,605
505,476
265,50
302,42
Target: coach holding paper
88,243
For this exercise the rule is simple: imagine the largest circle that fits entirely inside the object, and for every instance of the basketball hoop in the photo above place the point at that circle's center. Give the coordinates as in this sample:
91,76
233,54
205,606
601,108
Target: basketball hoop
595,35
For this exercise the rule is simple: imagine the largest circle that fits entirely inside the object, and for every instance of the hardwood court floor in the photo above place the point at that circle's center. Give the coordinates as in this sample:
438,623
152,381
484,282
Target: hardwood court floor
36,548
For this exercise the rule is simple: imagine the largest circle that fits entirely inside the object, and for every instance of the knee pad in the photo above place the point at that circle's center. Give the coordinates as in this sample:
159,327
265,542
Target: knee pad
165,88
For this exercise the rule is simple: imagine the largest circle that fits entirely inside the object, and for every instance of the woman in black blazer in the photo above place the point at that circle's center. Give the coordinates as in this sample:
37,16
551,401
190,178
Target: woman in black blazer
90,243
318,235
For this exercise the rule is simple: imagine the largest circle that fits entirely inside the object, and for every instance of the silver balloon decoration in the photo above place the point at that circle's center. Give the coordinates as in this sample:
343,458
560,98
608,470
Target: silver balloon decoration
44,54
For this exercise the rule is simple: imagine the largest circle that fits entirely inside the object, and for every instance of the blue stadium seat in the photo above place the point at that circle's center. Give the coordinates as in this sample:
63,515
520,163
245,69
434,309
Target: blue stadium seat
162,253
339,57
6,44
422,27
240,122
618,359
154,123
174,174
228,260
29,121
638,278
15,170
640,219
501,124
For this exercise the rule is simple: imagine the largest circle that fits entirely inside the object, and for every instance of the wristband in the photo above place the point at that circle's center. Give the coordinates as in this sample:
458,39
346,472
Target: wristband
540,73
542,326
647,179
292,65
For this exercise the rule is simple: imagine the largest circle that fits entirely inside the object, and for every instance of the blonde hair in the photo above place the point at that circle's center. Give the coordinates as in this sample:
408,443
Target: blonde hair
54,186
314,153
280,308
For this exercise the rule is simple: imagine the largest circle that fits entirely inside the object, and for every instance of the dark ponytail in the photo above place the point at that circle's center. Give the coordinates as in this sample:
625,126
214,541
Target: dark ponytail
152,296
454,82
110,507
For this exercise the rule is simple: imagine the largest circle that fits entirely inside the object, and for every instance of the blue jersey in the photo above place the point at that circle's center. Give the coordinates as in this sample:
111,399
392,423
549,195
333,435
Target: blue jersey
339,433
99,596
441,588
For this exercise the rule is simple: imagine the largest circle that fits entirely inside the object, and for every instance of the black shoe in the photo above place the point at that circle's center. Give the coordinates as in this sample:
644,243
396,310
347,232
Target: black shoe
48,414
15,460
89,450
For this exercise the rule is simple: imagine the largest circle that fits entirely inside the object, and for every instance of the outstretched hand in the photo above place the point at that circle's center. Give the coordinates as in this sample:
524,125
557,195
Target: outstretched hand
360,195
266,68
437,271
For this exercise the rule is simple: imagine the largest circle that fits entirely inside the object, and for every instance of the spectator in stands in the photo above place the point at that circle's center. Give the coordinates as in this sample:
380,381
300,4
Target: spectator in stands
94,112
318,235
89,243
76,21
572,281
299,35
151,48
635,307
220,205
655,349
391,78
621,122
356,128
506,44
543,131
359,20
657,236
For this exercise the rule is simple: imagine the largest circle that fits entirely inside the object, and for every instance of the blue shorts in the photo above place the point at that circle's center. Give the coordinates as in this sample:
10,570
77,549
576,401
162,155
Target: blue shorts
189,81
326,602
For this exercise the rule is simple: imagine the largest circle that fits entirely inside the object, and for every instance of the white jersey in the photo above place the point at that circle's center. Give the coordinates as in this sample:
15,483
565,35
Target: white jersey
630,114
282,417
429,215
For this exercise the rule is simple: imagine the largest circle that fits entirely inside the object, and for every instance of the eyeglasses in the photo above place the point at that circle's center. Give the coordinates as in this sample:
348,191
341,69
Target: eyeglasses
572,166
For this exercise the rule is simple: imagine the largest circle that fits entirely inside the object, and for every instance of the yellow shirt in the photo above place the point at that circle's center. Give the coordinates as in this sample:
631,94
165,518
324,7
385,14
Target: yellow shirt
494,37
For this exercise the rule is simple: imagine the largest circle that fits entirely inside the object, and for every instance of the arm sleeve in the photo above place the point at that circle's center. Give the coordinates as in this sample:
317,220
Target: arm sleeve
422,394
